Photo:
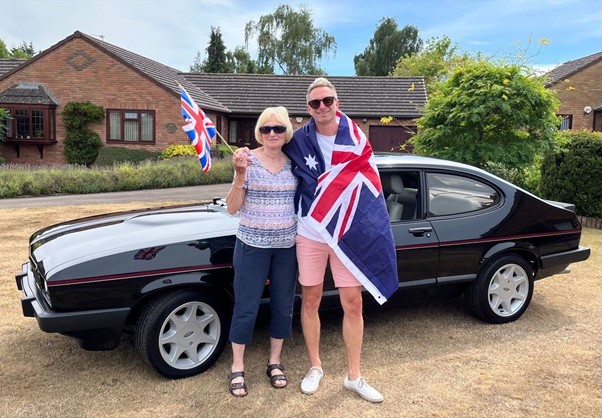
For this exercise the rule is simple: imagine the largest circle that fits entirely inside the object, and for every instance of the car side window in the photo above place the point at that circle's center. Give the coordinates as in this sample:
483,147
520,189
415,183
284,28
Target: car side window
401,191
450,194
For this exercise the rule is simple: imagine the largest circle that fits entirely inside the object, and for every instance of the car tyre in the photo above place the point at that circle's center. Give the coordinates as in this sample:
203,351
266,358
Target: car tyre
503,290
183,333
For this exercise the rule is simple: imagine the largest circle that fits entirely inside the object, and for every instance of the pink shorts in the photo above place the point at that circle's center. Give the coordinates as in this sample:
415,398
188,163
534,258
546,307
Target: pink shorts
312,257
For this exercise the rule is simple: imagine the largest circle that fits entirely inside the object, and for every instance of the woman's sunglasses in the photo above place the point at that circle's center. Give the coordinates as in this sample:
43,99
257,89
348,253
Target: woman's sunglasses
278,129
328,101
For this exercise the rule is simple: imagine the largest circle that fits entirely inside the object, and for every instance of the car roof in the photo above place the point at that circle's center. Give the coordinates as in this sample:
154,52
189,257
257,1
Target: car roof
389,160
386,161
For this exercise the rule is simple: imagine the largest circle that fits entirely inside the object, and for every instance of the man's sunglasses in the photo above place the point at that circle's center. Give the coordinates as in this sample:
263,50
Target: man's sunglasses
328,101
278,129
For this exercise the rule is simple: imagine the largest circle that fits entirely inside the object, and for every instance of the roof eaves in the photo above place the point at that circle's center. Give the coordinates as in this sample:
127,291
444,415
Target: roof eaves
204,100
569,68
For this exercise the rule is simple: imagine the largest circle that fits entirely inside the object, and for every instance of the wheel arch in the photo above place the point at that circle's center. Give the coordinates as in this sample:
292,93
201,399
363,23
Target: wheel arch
205,282
523,249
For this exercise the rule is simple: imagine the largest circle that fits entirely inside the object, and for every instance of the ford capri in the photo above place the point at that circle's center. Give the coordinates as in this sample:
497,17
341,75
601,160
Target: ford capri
164,275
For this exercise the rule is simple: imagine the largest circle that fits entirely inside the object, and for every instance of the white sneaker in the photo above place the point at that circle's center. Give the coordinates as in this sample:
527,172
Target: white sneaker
362,388
311,381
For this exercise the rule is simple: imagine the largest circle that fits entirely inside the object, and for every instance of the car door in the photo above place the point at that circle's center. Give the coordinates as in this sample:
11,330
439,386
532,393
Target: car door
462,210
416,242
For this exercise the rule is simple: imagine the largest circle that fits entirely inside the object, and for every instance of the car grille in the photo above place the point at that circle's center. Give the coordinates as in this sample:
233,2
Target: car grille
38,276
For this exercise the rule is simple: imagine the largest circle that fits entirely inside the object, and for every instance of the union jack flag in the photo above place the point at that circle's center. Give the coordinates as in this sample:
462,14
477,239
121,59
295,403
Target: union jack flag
345,204
148,253
199,128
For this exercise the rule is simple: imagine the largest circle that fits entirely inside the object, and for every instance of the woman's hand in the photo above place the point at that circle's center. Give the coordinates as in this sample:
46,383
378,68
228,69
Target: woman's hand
241,159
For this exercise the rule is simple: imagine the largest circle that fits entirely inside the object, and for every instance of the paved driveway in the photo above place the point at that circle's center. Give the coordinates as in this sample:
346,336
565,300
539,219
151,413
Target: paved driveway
195,193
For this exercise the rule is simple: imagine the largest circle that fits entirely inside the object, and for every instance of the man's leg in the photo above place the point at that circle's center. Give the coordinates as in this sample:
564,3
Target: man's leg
353,334
353,328
310,322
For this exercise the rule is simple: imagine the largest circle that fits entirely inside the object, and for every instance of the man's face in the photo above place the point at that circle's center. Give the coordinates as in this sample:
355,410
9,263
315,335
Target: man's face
323,113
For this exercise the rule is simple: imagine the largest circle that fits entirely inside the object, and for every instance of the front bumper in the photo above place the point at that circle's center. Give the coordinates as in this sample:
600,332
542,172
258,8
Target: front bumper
34,305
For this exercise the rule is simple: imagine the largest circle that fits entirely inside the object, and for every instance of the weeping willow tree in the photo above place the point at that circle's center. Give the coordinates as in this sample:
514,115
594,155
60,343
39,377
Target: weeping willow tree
289,43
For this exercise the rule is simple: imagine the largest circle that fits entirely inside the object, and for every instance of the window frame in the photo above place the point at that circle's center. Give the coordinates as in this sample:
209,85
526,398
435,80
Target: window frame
45,113
475,200
566,122
123,118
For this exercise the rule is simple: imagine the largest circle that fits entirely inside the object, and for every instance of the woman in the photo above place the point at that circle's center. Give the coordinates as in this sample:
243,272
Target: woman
263,192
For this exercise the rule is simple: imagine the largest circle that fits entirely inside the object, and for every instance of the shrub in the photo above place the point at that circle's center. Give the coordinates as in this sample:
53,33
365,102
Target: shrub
22,180
81,143
217,151
178,150
224,150
82,147
572,172
109,156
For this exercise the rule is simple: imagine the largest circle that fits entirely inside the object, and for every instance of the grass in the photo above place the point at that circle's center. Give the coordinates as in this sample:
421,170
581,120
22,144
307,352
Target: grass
430,359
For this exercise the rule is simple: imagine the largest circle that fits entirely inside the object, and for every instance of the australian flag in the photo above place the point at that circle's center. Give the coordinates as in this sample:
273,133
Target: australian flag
199,128
345,204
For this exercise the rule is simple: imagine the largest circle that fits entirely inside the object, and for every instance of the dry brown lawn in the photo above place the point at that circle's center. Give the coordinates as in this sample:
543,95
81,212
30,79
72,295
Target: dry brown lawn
429,360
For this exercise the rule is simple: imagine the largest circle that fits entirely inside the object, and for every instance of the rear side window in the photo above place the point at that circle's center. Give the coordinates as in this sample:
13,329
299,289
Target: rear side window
451,194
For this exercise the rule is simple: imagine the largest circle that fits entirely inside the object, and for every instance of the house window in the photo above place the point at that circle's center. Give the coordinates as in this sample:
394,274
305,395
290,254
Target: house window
566,122
233,130
30,123
131,126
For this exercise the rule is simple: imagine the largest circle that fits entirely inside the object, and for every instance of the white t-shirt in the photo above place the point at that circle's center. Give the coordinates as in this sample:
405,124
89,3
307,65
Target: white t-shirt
326,144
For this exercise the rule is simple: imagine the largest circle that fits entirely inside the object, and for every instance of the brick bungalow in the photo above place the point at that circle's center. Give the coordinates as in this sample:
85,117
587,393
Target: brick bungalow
142,101
578,84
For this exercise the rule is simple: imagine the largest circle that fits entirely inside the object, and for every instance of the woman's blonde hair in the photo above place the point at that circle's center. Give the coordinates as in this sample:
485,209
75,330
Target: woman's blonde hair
281,116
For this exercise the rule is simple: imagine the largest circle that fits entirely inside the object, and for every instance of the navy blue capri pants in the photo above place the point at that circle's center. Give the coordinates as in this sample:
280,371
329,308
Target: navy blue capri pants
252,266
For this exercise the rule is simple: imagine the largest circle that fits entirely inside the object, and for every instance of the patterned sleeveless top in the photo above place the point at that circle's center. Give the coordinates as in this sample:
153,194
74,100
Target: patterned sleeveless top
267,216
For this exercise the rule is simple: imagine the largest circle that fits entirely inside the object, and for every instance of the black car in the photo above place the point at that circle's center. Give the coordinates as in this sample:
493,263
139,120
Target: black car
165,274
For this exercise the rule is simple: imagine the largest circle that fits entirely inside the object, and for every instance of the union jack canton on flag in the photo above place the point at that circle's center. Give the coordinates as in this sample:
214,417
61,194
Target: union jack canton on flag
345,204
199,128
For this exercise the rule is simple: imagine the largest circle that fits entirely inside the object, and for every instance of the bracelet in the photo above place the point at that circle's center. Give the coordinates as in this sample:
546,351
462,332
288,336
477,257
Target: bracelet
238,187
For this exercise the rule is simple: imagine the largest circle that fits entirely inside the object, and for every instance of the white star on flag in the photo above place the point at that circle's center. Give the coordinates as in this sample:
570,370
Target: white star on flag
311,162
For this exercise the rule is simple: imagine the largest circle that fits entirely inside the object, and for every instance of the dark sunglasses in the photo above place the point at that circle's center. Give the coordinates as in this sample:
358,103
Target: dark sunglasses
278,129
328,101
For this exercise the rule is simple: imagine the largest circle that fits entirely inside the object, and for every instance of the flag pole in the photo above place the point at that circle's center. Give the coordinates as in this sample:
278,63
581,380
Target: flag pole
216,131
224,141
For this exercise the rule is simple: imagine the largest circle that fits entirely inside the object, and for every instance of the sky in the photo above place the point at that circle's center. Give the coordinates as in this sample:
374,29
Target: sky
173,32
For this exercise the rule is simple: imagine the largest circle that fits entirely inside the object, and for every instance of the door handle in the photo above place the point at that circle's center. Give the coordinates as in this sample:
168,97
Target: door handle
420,231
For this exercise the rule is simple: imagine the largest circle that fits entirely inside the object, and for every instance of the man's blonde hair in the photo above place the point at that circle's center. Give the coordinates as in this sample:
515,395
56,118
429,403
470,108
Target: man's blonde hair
320,82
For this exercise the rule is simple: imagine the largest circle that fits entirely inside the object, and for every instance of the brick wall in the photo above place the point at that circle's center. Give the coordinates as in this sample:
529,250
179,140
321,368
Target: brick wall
579,90
77,71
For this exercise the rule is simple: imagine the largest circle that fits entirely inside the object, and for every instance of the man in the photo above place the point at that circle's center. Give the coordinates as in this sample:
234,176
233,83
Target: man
342,219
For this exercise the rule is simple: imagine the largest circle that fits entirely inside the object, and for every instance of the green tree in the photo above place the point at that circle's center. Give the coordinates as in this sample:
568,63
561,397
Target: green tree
4,118
3,50
216,53
220,60
435,61
289,42
24,51
216,61
197,65
240,61
388,44
488,113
